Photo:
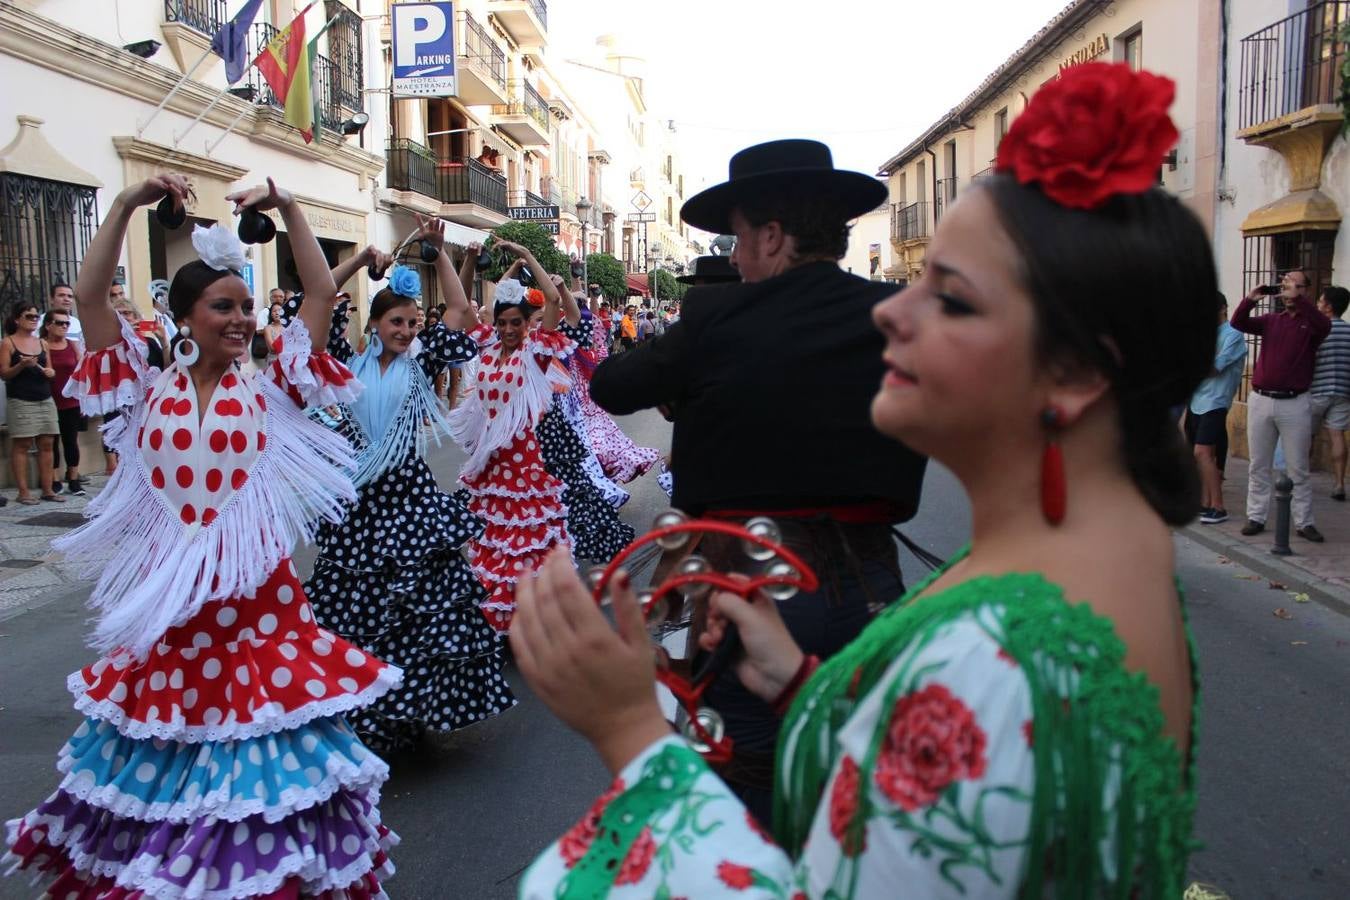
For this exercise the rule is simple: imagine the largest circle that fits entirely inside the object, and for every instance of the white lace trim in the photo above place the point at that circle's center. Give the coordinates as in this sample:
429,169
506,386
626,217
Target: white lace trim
132,351
493,490
266,721
297,349
153,575
364,778
552,537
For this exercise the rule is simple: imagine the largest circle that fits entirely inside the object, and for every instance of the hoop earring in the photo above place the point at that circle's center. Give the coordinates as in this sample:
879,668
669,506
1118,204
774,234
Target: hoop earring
186,351
1054,490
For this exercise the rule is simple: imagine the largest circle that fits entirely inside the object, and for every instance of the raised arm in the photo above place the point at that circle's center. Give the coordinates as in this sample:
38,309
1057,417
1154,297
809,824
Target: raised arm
1243,320
467,267
310,263
370,256
458,313
102,327
542,280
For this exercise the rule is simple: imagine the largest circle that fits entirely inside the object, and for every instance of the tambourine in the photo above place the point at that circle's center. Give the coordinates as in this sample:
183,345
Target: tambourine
783,574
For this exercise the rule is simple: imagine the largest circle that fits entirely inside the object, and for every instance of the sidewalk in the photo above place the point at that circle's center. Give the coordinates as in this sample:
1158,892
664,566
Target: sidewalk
1322,571
31,572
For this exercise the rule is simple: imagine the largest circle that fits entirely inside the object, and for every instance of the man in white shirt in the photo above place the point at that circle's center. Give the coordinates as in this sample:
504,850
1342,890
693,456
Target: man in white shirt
62,298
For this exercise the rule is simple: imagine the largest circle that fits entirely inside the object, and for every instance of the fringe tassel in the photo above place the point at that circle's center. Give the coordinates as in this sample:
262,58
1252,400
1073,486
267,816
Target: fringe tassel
406,435
153,577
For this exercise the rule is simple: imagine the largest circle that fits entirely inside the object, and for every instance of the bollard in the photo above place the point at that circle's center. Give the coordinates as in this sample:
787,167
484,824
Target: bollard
1284,494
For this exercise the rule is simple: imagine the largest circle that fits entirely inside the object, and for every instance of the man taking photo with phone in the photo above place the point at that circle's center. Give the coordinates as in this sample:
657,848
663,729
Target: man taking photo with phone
1278,407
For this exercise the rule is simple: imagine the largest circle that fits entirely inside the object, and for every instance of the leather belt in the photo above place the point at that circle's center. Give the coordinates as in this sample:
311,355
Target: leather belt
1279,395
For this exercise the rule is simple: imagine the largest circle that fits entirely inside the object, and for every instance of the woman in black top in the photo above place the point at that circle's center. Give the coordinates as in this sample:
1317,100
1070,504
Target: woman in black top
31,413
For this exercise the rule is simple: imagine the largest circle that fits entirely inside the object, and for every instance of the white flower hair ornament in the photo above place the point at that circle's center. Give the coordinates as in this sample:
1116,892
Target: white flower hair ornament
219,248
509,293
405,282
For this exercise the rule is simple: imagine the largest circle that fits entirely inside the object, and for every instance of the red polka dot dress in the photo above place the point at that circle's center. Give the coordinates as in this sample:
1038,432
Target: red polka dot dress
214,760
508,485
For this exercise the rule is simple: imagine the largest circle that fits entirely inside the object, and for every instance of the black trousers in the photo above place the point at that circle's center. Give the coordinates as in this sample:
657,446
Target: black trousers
859,571
70,422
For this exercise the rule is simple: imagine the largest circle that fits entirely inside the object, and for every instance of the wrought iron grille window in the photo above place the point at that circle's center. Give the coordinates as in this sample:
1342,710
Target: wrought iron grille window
205,16
45,228
324,85
1265,259
344,50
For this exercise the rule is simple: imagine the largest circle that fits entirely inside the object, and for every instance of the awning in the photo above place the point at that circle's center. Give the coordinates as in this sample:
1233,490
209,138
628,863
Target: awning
455,233
637,284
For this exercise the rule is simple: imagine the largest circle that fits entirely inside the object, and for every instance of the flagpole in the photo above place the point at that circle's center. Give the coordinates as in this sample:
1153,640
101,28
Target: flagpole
140,128
228,129
177,138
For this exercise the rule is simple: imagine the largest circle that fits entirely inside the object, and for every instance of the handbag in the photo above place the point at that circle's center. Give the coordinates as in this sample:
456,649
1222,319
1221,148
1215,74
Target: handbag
259,348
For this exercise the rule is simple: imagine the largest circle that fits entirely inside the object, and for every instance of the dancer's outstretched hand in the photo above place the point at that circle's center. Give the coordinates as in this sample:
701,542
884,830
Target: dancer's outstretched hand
155,188
260,197
599,681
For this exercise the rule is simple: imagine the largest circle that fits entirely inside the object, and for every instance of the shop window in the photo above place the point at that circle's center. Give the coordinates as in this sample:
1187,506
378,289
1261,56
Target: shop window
1265,260
45,228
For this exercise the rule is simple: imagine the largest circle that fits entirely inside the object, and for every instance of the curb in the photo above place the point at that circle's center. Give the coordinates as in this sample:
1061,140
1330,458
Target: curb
1264,563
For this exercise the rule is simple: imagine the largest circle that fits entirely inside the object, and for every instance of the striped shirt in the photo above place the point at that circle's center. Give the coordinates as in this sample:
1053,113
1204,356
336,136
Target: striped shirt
1332,372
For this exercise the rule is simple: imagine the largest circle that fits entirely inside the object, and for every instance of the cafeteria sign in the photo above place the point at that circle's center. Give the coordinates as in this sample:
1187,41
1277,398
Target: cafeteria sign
424,49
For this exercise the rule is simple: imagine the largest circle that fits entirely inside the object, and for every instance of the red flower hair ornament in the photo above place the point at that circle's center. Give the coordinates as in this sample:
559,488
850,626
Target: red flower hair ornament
1100,130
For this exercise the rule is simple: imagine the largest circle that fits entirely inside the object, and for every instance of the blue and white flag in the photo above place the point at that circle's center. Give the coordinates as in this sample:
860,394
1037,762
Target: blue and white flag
230,42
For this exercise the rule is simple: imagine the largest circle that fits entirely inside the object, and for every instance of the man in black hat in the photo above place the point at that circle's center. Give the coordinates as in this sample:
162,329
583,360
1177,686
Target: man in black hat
772,382
710,270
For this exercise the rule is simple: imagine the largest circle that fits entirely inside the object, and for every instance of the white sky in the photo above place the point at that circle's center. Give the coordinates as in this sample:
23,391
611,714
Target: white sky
864,76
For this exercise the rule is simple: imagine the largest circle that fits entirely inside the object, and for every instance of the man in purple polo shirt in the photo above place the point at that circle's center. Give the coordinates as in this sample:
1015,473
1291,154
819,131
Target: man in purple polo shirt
1278,407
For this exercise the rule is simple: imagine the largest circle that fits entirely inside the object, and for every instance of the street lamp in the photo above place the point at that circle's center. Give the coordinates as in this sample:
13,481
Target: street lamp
653,266
583,210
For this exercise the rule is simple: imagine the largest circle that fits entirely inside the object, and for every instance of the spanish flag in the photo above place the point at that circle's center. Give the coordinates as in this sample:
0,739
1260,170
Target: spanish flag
285,64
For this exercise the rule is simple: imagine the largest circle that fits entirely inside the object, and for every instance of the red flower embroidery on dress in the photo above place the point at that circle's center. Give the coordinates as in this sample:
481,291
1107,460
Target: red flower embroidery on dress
579,838
844,806
931,742
1007,657
638,859
1101,129
1027,732
738,878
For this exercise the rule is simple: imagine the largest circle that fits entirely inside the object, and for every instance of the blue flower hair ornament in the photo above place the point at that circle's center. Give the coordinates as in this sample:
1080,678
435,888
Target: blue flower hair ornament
405,282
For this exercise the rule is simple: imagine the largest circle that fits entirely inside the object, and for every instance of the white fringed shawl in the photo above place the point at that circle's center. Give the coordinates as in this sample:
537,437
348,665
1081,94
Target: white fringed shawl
155,573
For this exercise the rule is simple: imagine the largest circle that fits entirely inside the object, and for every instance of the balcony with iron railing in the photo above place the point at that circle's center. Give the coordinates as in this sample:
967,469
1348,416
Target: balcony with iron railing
475,192
524,118
205,16
526,21
1292,65
909,222
526,198
482,65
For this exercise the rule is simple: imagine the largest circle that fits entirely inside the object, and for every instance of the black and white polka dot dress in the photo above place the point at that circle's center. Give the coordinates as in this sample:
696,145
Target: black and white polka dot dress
392,579
593,523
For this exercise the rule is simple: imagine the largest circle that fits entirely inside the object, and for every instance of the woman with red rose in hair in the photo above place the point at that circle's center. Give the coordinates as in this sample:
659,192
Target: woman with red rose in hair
1021,724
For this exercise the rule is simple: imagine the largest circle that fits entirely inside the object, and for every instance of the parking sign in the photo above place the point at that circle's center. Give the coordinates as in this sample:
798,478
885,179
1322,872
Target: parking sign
424,49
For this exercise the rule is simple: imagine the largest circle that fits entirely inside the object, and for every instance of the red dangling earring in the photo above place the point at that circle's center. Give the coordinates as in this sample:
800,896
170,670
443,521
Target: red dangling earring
1054,494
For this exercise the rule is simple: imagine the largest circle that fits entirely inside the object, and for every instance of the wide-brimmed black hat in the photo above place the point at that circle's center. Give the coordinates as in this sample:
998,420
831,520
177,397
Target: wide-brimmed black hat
710,270
779,163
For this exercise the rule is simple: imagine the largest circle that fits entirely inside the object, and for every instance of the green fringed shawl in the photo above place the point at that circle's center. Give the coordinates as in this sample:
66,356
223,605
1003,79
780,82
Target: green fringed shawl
1109,715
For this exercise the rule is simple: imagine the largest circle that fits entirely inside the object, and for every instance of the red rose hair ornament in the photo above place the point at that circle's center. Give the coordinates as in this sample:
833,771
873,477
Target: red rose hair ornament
1100,130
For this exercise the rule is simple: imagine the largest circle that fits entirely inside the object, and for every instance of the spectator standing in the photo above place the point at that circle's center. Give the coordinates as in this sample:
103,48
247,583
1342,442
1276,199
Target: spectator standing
1207,416
27,371
628,329
159,296
1331,382
65,355
62,298
1279,407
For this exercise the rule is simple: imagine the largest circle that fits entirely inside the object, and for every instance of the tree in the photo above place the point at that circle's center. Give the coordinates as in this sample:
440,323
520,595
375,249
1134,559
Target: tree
606,271
539,242
667,288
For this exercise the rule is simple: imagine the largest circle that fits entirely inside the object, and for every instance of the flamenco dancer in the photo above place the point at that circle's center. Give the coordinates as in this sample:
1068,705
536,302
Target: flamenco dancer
621,459
1023,722
214,759
391,576
592,514
508,485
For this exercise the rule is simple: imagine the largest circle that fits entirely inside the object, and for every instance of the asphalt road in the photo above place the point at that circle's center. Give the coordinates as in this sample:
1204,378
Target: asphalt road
474,809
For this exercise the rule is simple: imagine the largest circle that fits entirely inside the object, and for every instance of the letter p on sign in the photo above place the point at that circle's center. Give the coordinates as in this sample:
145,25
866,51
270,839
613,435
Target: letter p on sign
417,24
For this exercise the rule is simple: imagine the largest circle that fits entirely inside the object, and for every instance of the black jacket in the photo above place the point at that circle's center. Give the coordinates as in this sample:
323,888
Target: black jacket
773,383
